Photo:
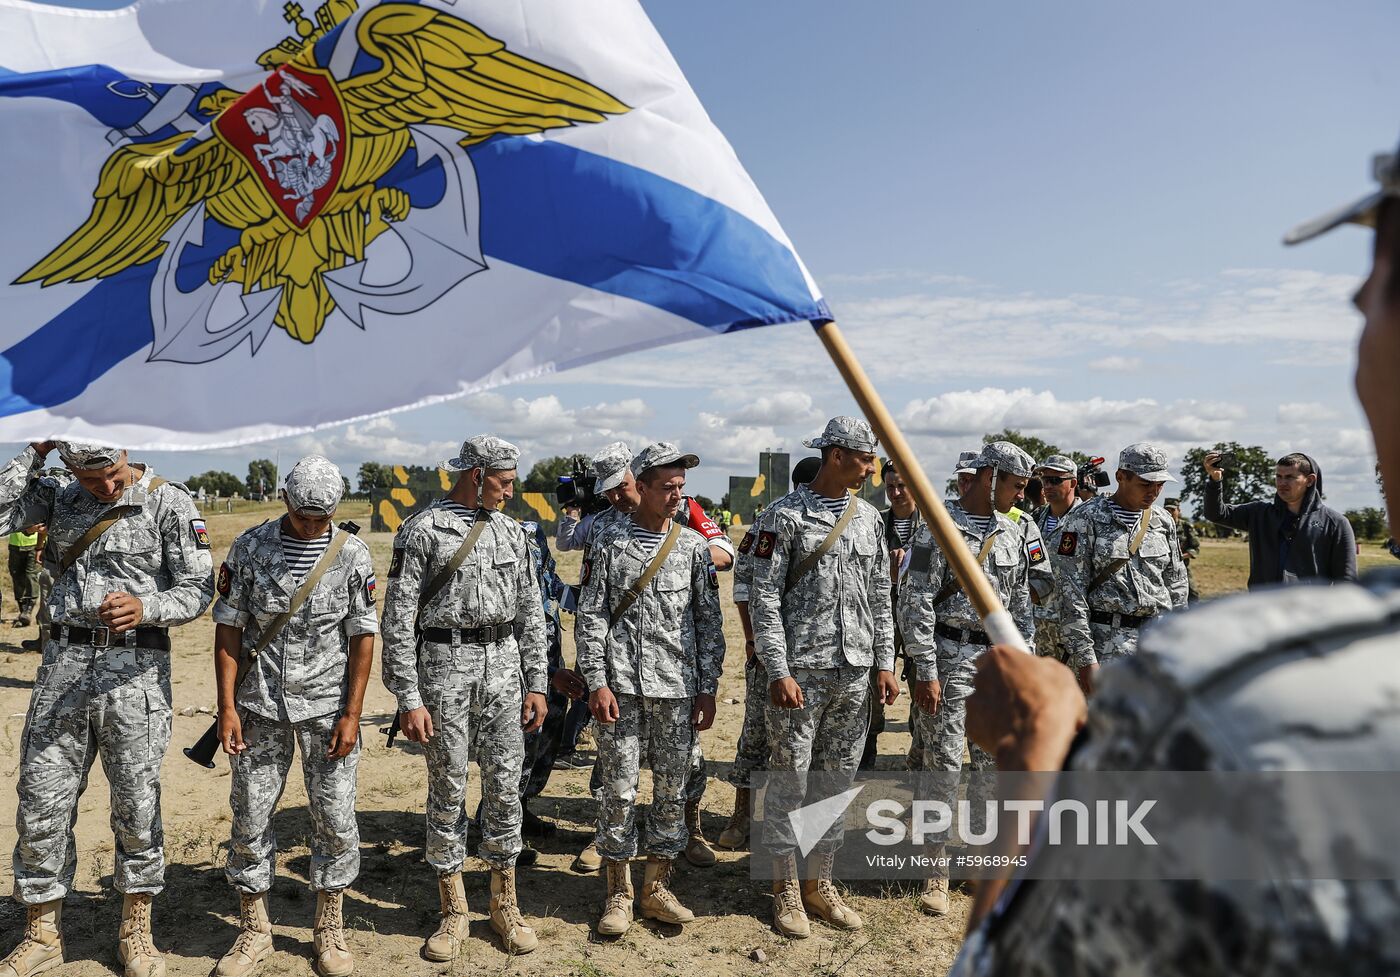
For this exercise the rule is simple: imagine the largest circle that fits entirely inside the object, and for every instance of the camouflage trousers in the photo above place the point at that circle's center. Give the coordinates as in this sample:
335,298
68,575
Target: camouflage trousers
827,734
660,733
475,715
259,775
943,735
751,753
112,703
1047,640
696,775
1109,643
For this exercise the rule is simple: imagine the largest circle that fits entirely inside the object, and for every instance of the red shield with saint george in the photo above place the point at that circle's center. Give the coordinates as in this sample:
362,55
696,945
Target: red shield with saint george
291,132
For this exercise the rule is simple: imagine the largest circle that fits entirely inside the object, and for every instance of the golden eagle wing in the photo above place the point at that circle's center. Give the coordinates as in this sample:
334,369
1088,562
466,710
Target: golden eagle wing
442,70
143,190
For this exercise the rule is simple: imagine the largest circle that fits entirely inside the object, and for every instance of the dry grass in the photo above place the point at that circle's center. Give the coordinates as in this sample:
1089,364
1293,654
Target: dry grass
394,903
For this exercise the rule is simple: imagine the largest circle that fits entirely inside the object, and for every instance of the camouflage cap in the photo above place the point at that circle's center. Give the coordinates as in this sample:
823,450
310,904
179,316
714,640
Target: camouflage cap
965,465
1145,460
1172,504
845,432
609,466
484,451
1059,464
314,485
661,453
1005,457
88,457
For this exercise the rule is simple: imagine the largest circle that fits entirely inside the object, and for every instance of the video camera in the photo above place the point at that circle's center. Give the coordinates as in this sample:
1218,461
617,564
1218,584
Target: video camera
578,489
1091,475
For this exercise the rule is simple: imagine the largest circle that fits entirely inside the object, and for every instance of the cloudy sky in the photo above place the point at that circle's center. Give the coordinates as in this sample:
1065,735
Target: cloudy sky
1062,218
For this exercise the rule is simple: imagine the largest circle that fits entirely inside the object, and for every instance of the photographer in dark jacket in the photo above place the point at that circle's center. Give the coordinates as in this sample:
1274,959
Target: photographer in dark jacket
1292,537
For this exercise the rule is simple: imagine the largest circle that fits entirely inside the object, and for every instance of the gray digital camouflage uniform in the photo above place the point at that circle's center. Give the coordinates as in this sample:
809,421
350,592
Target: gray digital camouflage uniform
291,699
1297,679
952,660
667,648
825,630
1047,612
1150,584
473,691
111,702
751,752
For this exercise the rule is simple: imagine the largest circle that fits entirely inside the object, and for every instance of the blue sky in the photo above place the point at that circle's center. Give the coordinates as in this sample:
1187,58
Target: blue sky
1058,217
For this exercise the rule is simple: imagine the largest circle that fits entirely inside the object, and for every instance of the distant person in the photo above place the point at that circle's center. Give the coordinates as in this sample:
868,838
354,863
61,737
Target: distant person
1292,536
1190,542
24,572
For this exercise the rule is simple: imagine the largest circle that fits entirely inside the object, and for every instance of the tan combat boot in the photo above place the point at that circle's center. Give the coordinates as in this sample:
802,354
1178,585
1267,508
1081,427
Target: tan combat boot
788,915
333,957
41,949
658,901
820,897
934,899
617,907
516,935
697,850
588,860
736,833
447,938
135,949
254,943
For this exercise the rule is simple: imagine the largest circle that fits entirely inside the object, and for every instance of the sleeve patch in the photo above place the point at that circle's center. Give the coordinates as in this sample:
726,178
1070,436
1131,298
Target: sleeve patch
1036,552
369,588
225,580
201,534
713,576
587,572
920,559
766,541
1069,544
746,543
396,564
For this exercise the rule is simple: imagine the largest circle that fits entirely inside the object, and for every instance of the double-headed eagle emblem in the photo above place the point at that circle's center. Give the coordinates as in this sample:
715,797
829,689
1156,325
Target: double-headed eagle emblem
296,165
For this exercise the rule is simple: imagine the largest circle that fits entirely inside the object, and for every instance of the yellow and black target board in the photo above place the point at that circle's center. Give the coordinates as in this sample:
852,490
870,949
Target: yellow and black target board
417,488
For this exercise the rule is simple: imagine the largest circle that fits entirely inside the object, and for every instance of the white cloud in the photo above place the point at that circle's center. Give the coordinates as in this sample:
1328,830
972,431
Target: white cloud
777,409
544,426
1293,415
1117,364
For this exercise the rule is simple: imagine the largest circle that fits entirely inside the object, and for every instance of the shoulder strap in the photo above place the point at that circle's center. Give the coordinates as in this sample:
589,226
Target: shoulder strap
982,554
453,565
810,561
275,626
635,591
71,555
1133,546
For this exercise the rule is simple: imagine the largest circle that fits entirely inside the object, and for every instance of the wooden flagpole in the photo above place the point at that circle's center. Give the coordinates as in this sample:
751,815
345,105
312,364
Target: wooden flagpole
996,620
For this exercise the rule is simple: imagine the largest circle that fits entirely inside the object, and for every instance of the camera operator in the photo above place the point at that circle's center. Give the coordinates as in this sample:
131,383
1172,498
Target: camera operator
1091,477
1293,536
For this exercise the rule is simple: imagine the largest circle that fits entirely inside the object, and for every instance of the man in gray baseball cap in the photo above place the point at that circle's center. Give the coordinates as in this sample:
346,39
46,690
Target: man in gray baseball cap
1059,480
611,469
484,451
1145,460
845,432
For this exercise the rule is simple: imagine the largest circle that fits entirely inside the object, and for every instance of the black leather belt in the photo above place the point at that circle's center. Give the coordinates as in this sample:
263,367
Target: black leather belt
157,639
1117,620
488,634
961,635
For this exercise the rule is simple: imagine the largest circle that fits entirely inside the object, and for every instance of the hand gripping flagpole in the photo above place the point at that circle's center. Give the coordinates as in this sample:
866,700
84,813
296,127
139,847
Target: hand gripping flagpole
997,622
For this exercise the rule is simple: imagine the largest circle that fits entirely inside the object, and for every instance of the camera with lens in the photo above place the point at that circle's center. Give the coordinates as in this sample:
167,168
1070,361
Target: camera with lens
579,489
1091,475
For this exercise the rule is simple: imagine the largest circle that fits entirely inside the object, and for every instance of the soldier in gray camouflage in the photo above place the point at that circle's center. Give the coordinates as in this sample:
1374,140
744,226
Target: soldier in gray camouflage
1118,564
943,633
103,688
819,601
652,659
304,690
1059,478
459,666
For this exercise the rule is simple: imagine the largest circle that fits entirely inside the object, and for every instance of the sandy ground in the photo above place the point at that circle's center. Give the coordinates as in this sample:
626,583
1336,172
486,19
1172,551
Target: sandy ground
393,906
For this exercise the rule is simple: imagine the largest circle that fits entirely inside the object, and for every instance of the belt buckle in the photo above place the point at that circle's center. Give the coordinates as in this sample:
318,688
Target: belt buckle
101,637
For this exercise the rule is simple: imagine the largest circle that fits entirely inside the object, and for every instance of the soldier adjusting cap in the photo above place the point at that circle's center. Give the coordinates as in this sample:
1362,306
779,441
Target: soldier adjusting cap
88,457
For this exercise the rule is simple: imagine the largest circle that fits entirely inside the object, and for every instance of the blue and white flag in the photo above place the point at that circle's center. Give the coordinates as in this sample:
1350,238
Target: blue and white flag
236,220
